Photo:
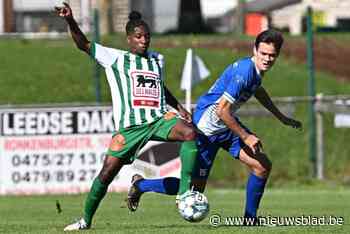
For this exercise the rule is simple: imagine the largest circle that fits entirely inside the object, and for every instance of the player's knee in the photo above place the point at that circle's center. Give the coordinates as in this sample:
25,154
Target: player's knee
104,177
263,169
190,135
107,174
117,143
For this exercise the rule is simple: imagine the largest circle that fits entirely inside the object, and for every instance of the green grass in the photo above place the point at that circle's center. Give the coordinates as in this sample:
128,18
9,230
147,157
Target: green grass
54,71
157,213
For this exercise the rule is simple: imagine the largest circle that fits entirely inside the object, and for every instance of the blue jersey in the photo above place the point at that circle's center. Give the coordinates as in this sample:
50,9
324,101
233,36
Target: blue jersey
236,84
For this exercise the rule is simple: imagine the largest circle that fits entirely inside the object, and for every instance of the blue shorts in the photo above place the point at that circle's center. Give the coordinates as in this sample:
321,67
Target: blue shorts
208,147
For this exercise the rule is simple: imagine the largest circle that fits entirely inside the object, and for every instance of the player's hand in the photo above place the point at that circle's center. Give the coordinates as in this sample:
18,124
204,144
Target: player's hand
253,143
185,114
65,11
293,123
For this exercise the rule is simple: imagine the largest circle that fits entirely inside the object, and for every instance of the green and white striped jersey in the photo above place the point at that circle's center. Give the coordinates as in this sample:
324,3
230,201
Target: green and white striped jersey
136,85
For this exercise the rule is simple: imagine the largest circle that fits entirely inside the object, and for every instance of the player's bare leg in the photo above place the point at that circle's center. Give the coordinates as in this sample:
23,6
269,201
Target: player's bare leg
111,167
258,163
182,131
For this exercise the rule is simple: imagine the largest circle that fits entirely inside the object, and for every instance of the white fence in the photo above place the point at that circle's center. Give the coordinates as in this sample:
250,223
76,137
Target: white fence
60,149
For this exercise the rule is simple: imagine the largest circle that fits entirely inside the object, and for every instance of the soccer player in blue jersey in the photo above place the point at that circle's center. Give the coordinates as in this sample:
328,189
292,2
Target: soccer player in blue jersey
219,126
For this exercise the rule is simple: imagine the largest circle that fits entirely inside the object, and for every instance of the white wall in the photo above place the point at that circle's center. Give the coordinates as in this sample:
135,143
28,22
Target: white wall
1,16
212,8
85,15
167,11
165,15
36,5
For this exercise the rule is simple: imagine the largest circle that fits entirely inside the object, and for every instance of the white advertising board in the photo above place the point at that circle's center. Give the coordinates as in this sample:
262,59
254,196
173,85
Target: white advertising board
61,150
342,121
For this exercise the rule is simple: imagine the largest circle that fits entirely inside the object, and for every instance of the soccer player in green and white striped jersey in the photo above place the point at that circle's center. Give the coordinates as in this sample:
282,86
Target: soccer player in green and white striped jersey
140,114
136,85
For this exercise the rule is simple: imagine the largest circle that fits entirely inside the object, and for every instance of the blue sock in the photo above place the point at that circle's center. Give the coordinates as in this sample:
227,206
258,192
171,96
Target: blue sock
254,193
168,185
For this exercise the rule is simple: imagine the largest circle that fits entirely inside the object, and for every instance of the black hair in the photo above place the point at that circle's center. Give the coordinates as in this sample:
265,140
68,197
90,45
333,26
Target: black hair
270,36
135,20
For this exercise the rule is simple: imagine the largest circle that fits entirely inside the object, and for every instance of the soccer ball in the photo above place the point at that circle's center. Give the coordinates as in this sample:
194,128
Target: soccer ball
193,206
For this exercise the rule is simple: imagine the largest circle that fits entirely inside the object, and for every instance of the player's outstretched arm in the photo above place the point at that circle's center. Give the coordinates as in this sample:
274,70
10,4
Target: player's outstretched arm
78,36
173,102
263,97
224,113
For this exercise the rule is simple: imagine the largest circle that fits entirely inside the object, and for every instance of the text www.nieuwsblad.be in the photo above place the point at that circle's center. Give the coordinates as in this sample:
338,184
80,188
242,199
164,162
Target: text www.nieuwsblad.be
303,220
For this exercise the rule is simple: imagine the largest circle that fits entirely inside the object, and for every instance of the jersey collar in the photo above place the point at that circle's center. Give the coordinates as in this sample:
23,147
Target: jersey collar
261,74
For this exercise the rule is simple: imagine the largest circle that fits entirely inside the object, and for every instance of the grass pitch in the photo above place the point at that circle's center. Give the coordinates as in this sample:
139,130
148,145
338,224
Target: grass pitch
157,213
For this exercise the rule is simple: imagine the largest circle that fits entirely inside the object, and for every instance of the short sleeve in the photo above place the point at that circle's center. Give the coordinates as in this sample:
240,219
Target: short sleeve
235,86
233,89
105,56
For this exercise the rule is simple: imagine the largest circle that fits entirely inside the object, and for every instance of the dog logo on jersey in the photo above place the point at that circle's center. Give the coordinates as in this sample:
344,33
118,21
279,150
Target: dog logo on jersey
145,88
143,80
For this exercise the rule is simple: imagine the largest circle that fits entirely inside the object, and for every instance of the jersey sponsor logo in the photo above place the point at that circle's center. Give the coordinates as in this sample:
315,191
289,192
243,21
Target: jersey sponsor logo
146,89
143,80
145,84
146,103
